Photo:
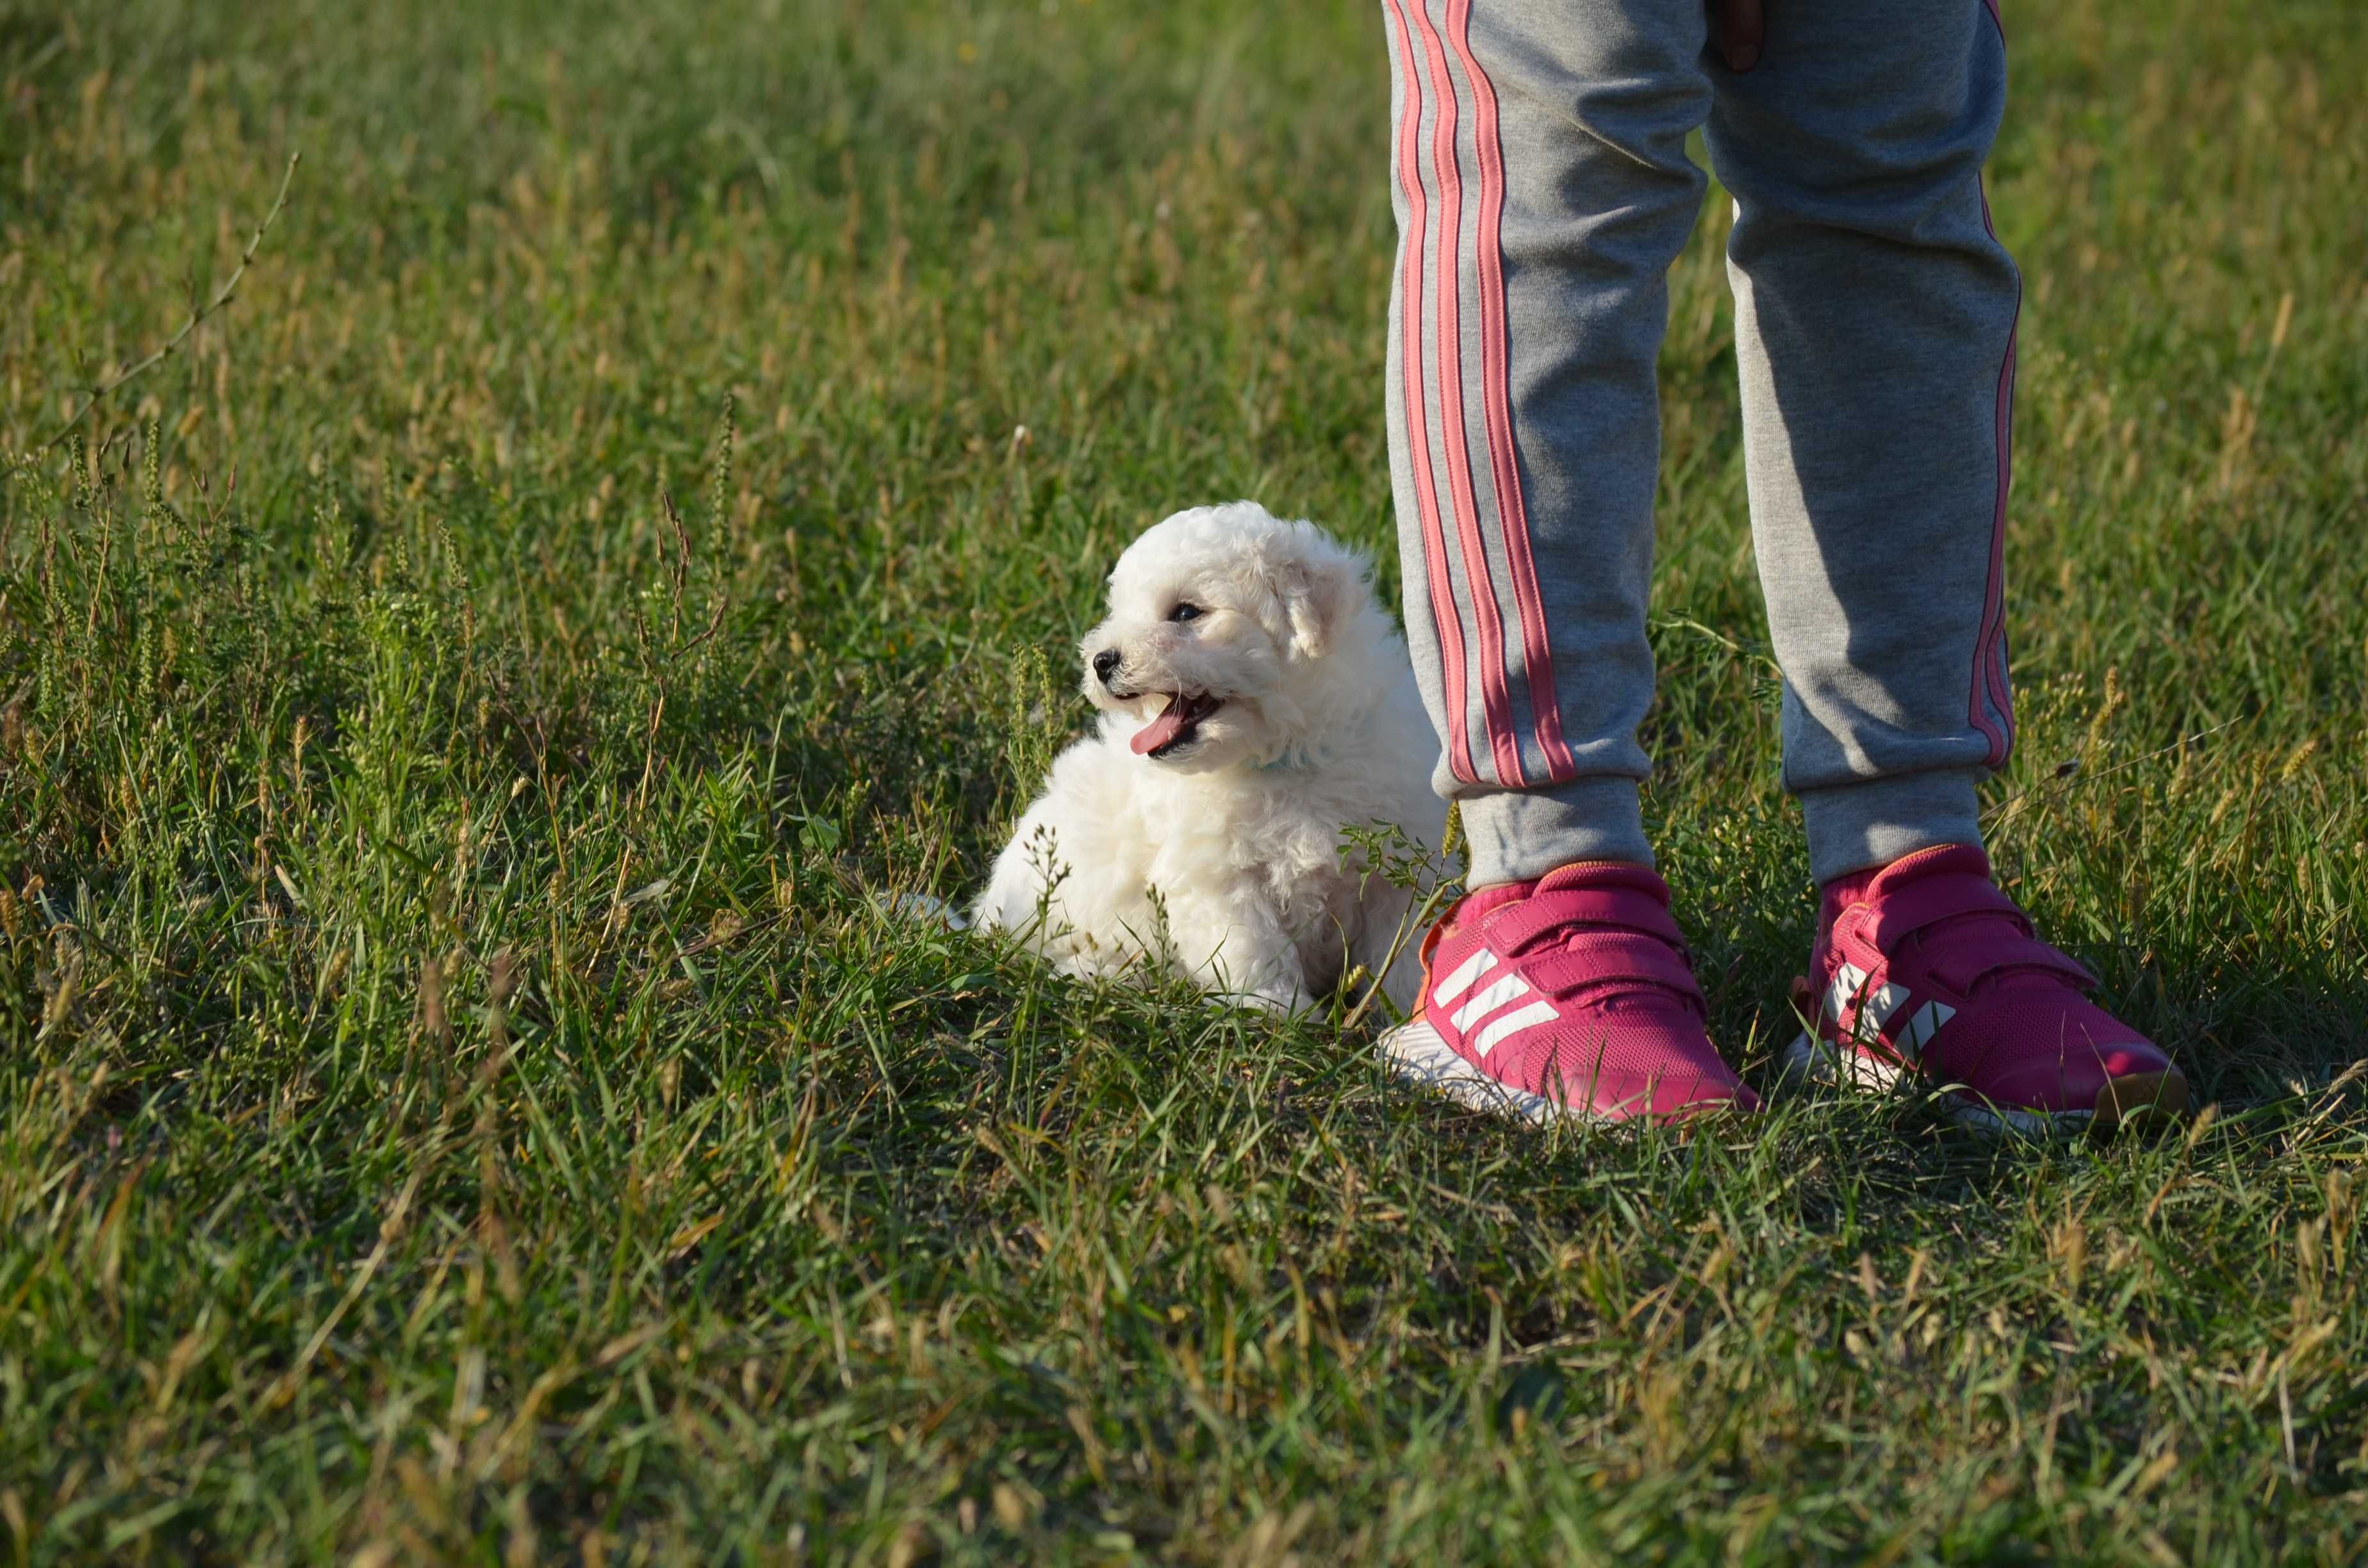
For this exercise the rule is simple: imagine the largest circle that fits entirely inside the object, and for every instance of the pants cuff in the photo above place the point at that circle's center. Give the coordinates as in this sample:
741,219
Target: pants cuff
1514,836
1855,827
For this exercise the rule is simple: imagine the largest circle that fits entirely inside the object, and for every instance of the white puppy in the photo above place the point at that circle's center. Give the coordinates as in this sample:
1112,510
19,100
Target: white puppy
1255,701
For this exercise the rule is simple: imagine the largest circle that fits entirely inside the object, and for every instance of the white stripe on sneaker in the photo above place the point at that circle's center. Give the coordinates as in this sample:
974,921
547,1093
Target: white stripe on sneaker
1538,1012
1880,1003
1843,989
1873,1008
1923,1027
1510,988
1457,983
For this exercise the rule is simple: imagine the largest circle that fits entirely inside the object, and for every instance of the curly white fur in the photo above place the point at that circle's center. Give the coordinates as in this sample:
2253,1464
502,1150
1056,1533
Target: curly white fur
1234,825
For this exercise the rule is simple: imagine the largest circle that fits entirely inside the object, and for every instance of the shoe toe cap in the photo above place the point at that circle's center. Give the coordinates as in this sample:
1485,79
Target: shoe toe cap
1672,1093
2114,1080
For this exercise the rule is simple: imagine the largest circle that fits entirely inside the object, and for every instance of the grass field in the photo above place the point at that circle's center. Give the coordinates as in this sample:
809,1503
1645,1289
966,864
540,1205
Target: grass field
457,1100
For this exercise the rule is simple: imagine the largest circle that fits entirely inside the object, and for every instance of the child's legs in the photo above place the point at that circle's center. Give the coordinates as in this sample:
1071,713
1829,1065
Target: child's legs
1875,328
1542,191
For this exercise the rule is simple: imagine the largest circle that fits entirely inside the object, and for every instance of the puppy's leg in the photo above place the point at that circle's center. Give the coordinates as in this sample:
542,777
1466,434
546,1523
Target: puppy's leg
1381,920
1060,844
1040,897
1231,941
1404,984
1014,889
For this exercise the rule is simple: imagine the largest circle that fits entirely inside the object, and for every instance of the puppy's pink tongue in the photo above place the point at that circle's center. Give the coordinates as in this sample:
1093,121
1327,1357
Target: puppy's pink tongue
1160,731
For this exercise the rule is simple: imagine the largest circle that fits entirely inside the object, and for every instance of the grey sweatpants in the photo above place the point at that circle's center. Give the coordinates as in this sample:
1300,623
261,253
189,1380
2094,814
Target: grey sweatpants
1542,191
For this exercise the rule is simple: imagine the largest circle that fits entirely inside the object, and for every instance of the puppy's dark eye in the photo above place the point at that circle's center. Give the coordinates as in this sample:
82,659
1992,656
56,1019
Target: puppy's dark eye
1185,612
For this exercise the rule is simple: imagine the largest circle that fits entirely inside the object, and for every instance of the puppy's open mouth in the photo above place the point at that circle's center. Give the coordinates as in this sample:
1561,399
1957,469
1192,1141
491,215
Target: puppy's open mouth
1177,725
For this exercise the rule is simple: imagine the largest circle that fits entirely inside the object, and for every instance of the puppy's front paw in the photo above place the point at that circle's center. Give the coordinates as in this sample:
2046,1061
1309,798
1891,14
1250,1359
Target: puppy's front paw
921,909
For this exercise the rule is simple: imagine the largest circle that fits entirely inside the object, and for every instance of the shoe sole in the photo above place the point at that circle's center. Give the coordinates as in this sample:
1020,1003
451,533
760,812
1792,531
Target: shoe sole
2137,1101
1418,1053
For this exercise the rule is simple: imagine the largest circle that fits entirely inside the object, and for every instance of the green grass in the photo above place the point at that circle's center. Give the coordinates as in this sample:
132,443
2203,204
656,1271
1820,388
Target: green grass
458,1101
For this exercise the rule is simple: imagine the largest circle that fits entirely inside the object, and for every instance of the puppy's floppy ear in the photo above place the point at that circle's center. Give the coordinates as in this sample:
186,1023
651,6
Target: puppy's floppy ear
1318,594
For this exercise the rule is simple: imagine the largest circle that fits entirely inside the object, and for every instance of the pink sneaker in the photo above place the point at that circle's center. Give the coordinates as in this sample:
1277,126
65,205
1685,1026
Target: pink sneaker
1568,996
1925,966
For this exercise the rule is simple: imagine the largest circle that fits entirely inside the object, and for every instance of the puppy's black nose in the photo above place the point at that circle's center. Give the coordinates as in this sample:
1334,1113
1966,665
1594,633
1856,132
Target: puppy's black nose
1105,665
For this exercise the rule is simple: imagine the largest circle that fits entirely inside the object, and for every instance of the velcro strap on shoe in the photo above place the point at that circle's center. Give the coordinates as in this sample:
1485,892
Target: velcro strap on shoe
1516,925
1617,958
1931,899
2032,954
